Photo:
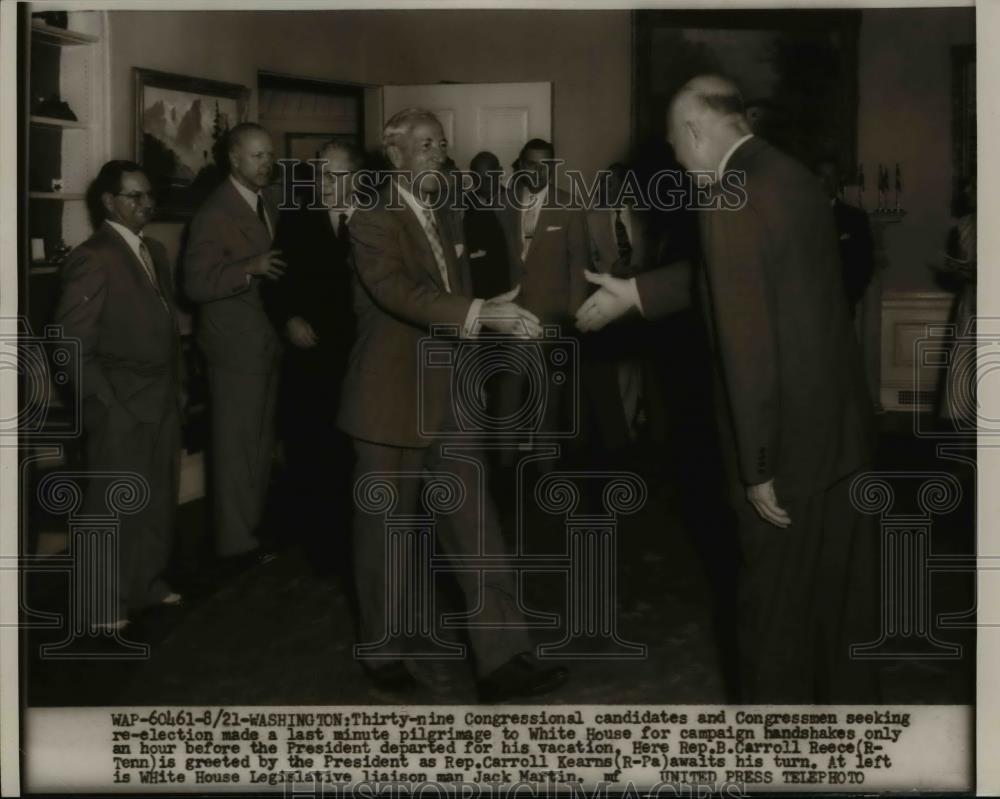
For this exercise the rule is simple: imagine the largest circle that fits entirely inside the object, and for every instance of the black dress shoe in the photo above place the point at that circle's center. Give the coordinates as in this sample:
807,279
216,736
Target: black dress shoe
394,677
521,676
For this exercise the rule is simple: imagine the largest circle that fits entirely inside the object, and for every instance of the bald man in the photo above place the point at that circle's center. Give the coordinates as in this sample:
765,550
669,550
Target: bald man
792,404
229,253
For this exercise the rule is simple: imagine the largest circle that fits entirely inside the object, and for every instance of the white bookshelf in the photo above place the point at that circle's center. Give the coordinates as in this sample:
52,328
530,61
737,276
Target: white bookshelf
81,53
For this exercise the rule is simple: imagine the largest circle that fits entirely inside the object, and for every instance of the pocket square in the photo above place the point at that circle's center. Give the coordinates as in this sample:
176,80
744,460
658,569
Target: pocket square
553,227
459,249
844,236
477,254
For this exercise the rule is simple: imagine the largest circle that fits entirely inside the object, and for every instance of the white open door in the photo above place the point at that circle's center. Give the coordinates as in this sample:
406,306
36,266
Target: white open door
499,117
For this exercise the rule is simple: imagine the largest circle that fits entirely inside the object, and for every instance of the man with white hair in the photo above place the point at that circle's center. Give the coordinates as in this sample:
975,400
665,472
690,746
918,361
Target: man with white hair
792,404
412,275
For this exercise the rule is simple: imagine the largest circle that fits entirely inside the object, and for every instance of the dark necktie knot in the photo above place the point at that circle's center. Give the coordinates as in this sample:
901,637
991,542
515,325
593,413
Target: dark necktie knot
343,234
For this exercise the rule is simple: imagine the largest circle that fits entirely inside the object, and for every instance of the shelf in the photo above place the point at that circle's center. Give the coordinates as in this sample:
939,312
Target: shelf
62,196
59,37
39,269
51,122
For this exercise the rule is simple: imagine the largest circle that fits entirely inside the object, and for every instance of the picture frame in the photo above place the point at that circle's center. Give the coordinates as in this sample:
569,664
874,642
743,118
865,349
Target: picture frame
180,127
797,70
306,145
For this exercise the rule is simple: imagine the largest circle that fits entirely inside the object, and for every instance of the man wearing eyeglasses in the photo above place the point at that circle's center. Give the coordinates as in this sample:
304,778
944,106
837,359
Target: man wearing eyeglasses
118,300
230,253
312,310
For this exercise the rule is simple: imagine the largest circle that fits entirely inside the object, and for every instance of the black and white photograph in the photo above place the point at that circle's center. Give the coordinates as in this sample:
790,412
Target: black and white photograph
488,398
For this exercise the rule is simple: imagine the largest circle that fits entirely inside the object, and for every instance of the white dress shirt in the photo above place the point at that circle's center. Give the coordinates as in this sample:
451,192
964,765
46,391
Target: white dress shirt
132,239
729,154
135,243
335,215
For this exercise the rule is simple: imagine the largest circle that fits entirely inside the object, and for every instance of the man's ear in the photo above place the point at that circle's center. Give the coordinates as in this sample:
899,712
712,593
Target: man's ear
108,201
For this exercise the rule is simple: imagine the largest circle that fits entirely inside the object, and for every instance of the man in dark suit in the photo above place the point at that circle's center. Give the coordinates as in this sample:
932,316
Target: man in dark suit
793,406
491,259
492,264
229,253
854,238
613,370
311,308
548,234
118,300
412,275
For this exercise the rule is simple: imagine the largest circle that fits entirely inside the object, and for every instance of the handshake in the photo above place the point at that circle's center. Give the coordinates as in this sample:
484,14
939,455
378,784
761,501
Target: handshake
614,298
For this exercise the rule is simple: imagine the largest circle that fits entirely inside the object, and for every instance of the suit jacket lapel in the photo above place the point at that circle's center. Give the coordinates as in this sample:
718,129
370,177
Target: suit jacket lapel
512,218
246,218
166,278
602,233
638,238
130,262
548,216
416,232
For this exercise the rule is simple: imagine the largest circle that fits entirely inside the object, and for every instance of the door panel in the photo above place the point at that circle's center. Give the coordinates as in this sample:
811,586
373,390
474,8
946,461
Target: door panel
499,117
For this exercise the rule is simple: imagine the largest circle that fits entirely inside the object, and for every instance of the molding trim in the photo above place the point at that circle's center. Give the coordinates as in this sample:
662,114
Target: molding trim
912,322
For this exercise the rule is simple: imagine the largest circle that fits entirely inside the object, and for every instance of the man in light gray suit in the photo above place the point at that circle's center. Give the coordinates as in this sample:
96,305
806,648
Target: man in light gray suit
412,275
229,253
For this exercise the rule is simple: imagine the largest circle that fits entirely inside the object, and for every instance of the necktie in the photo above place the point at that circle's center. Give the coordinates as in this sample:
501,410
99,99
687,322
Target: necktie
528,224
147,265
261,213
430,228
622,240
343,235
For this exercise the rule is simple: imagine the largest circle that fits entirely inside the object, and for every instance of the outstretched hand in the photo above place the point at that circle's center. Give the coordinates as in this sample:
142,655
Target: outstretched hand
503,315
615,297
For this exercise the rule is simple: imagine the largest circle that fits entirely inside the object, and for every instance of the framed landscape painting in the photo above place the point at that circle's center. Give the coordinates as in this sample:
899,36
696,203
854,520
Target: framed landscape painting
180,129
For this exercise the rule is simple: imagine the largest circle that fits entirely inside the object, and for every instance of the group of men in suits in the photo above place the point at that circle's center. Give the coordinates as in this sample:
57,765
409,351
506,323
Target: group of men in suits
118,299
791,401
531,234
